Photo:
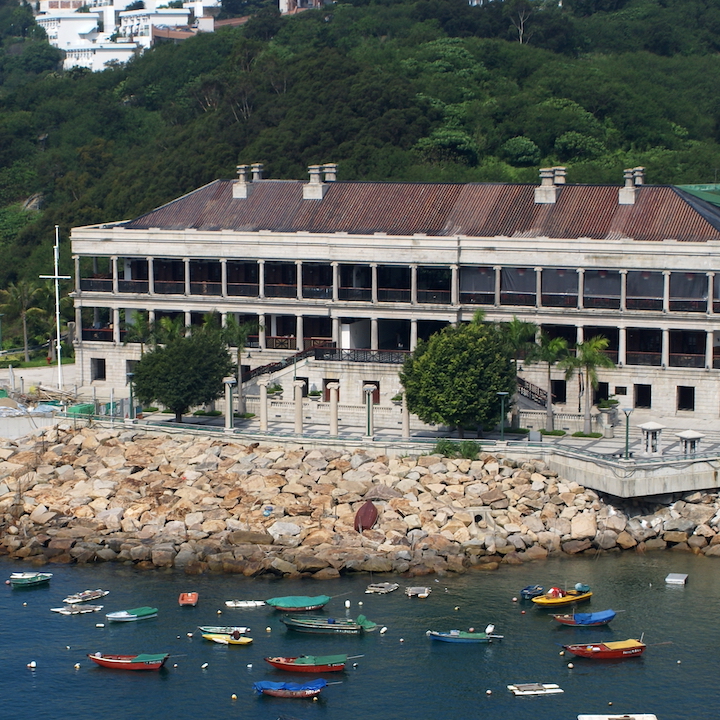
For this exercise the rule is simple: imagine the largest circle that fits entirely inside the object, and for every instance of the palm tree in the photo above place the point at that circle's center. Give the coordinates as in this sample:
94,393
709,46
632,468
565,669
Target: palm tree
17,300
590,355
236,335
139,330
551,351
520,339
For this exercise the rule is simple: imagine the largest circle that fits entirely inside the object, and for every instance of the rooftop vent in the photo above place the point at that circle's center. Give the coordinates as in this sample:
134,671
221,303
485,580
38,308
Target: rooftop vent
550,179
242,187
320,176
634,178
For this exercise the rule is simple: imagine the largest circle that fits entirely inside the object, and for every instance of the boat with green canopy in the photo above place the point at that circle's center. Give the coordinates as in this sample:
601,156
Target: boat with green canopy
28,579
328,626
299,603
310,663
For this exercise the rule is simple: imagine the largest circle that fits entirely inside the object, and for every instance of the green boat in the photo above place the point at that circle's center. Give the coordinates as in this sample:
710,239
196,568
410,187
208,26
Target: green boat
28,579
298,603
328,626
141,613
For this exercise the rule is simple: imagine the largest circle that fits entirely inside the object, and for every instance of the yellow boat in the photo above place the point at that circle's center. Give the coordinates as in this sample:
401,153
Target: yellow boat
227,639
565,597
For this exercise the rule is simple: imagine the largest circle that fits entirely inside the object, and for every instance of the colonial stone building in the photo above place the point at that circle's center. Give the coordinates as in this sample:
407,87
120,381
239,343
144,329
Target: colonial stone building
367,268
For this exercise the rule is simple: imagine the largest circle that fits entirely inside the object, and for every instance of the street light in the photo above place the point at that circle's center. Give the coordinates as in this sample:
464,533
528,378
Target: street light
626,412
130,377
502,395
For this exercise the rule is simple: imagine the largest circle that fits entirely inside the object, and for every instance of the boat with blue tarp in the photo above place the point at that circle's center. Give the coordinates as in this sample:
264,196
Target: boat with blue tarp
290,690
593,619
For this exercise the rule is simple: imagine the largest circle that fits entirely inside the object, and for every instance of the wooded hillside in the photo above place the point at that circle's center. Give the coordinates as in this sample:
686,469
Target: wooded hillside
395,89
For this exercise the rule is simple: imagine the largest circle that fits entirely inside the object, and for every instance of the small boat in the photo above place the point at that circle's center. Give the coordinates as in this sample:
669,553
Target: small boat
130,662
298,603
418,591
531,591
366,516
141,613
290,690
556,596
608,650
85,596
586,619
535,689
328,626
459,636
310,663
244,603
223,629
381,588
188,599
233,639
77,609
28,579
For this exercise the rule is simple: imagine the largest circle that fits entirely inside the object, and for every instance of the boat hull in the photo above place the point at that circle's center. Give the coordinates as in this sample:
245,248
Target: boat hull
132,615
297,694
291,665
366,516
531,591
188,599
222,629
581,620
77,609
222,639
323,626
607,651
571,597
298,603
85,596
451,637
128,662
27,580
290,690
244,603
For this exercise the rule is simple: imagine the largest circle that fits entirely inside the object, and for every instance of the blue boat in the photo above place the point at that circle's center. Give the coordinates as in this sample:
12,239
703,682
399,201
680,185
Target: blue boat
459,636
586,619
289,689
531,591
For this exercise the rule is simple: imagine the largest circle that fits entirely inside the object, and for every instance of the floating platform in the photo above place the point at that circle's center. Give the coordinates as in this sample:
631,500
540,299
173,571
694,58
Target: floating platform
535,689
676,578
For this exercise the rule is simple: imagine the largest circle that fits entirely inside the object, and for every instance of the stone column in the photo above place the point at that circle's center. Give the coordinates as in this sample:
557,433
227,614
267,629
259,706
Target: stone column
151,316
538,287
333,387
454,285
186,262
413,284
298,386
262,324
229,420
261,279
622,346
151,276
188,322
373,333
223,277
413,334
262,384
299,334
299,279
581,288
666,291
115,285
374,273
665,348
335,281
580,334
405,418
76,260
709,339
623,290
368,390
498,276
710,304
223,319
336,331
116,325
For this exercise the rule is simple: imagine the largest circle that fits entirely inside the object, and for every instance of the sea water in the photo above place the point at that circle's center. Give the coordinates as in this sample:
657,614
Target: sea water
402,675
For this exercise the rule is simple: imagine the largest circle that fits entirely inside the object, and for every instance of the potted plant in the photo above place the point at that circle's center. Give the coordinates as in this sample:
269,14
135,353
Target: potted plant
275,390
608,404
397,399
315,395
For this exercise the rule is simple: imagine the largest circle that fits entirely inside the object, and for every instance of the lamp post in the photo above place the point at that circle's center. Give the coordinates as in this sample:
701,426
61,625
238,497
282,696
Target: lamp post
502,395
229,383
130,377
626,412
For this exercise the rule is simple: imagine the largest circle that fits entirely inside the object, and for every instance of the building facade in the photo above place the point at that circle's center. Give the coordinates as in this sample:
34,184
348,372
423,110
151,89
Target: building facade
369,268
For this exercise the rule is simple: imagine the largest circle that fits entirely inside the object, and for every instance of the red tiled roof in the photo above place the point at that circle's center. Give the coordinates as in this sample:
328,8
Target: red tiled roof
475,210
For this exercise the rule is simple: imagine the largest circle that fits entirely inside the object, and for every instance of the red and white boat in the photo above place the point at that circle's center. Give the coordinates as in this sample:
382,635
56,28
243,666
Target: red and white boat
130,662
188,599
310,663
608,650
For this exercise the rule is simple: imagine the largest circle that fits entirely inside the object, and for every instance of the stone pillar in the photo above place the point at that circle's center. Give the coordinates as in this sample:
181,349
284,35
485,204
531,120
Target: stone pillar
373,333
374,273
336,331
405,418
538,287
76,260
710,304
335,281
666,291
665,348
298,386
115,285
229,420
151,276
710,337
262,384
623,290
413,284
151,316
223,277
581,288
186,262
262,324
368,390
333,387
498,275
622,346
223,319
454,285
413,334
116,325
580,334
299,279
299,334
261,279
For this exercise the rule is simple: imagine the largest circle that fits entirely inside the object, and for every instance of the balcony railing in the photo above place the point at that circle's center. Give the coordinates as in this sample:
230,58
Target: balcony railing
98,334
205,288
356,294
393,295
169,287
607,303
133,286
559,300
687,360
393,357
643,303
689,305
285,291
437,297
273,342
96,284
643,358
477,298
243,289
526,299
318,292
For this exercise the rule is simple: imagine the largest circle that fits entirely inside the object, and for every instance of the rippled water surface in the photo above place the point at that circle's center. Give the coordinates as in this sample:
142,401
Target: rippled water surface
402,675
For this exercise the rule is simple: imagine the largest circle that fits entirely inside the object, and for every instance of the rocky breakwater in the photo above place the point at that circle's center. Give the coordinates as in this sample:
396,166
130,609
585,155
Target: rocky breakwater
207,504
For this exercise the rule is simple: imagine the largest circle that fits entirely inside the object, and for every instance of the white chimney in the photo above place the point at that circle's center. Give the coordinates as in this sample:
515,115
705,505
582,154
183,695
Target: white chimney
257,171
242,186
330,170
639,176
626,195
315,189
559,174
546,194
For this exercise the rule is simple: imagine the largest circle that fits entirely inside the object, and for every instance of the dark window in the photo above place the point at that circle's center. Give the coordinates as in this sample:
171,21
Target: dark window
685,397
97,369
620,390
559,391
643,396
602,392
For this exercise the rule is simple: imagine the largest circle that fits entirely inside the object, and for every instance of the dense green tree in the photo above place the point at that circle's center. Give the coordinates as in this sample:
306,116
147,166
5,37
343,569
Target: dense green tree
18,302
453,378
186,372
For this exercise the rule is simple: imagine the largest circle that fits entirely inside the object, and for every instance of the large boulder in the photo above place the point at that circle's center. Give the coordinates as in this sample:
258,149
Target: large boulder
583,526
